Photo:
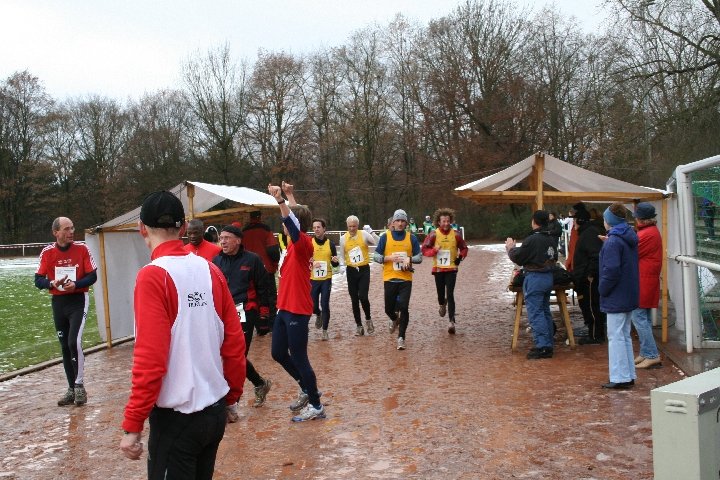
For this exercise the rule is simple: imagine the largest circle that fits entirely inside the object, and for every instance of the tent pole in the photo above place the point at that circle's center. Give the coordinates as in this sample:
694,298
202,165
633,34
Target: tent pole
537,179
106,299
664,292
191,197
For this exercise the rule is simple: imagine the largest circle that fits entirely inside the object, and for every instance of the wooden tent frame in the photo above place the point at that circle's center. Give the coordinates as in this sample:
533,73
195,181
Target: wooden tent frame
537,196
133,227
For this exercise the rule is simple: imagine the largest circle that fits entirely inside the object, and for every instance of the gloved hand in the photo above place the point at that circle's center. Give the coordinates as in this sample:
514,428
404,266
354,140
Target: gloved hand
458,260
342,269
367,228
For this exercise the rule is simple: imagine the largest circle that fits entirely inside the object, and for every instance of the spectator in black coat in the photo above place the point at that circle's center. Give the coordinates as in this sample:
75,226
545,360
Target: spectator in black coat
586,265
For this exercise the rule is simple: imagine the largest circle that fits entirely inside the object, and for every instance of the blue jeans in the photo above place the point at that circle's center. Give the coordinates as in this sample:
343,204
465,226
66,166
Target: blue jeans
536,290
620,351
643,325
289,349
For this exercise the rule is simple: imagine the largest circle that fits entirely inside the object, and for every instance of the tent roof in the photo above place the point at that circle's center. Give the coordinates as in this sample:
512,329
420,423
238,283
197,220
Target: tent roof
571,182
204,196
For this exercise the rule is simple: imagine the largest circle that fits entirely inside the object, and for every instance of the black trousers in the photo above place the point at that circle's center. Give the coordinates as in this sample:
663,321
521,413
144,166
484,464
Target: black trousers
589,301
358,283
252,317
445,286
69,314
397,299
183,446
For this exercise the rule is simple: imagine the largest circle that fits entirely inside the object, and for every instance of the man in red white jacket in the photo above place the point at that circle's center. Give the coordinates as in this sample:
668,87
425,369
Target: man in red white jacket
189,358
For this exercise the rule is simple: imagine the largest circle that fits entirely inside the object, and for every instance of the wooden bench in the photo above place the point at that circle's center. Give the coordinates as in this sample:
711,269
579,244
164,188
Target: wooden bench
560,301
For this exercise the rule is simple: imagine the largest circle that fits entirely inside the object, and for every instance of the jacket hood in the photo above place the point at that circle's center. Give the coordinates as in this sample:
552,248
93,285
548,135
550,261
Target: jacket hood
626,233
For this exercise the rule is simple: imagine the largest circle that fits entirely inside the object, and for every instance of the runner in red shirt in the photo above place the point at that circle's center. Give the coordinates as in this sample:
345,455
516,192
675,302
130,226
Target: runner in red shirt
67,270
197,244
290,333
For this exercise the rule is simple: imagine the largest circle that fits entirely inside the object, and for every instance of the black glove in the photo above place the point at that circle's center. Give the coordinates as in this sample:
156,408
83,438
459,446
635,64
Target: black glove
458,260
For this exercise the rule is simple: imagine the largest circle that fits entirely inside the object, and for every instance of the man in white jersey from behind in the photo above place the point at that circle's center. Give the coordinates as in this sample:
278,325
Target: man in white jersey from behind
189,358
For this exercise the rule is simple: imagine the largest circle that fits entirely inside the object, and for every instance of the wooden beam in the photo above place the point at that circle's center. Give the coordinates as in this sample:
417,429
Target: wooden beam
106,295
538,178
191,199
551,196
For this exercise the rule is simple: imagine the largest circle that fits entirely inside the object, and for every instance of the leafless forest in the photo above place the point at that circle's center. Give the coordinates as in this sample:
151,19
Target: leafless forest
397,116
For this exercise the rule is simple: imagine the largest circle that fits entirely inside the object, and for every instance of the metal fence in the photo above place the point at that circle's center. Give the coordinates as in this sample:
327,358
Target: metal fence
705,187
21,249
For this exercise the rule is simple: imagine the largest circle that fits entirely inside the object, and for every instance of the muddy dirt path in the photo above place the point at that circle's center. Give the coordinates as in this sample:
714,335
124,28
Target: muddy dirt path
448,407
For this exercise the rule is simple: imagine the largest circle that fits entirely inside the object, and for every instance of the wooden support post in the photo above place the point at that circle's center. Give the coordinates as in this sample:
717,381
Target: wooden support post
106,296
536,181
191,200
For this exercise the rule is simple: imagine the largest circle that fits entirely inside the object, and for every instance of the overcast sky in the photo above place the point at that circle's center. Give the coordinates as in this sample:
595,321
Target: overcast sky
124,48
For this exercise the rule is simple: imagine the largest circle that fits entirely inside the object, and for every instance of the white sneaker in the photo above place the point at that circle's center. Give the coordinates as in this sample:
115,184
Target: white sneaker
401,343
359,331
325,335
309,413
369,327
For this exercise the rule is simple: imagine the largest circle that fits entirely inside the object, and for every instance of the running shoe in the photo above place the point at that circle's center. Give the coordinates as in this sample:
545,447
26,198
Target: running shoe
68,398
369,327
80,395
393,324
325,335
401,343
299,402
451,328
309,413
359,331
261,392
443,308
639,359
318,321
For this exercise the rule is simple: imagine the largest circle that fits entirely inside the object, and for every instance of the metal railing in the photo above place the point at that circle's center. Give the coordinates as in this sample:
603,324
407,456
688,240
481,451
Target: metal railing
21,247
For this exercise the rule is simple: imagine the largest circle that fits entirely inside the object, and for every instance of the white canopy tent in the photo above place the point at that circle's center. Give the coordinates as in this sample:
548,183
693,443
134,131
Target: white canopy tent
570,184
120,251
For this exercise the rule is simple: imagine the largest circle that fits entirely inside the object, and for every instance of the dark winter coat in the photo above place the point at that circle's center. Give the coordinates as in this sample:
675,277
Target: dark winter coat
586,258
538,252
619,284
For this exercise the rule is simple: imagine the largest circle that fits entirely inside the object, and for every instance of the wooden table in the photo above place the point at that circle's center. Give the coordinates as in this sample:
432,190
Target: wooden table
560,300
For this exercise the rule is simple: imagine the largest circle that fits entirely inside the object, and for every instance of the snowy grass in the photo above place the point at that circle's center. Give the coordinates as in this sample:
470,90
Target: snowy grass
27,333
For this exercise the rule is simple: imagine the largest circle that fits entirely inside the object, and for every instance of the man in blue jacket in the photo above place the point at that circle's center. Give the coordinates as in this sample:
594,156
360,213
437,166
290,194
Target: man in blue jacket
619,288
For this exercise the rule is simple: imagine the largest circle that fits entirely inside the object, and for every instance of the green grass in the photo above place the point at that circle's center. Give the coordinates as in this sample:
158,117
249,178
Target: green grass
27,333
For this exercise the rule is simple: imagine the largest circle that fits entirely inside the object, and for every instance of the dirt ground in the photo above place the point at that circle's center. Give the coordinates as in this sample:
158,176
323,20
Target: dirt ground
448,407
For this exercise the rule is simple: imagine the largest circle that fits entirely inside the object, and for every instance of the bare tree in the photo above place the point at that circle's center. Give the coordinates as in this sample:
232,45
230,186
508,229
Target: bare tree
216,92
158,150
101,133
276,117
24,180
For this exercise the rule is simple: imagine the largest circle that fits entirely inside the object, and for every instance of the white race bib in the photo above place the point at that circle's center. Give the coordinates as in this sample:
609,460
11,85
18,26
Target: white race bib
320,268
241,312
398,266
443,258
61,272
356,255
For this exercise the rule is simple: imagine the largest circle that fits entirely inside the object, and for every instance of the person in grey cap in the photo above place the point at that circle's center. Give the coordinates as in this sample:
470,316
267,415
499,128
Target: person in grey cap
397,252
650,254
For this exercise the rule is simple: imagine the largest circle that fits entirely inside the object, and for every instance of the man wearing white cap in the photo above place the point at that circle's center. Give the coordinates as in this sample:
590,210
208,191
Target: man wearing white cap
397,252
